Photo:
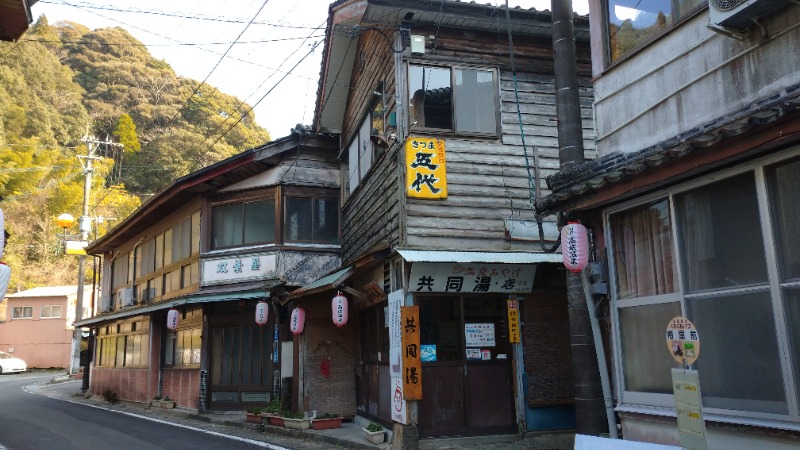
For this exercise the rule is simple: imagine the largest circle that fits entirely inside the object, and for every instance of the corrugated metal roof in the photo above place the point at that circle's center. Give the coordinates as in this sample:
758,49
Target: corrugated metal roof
326,282
50,291
478,257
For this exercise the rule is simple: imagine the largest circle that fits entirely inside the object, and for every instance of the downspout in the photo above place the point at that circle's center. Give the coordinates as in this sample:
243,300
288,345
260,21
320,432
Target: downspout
589,405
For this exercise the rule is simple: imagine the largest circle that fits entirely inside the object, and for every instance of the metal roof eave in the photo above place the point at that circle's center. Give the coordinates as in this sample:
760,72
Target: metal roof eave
444,256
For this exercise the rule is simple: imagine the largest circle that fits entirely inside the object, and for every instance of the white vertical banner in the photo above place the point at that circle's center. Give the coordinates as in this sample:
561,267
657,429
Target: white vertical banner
395,352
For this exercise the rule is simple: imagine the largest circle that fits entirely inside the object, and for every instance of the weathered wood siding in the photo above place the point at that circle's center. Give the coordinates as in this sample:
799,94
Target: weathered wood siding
691,77
371,215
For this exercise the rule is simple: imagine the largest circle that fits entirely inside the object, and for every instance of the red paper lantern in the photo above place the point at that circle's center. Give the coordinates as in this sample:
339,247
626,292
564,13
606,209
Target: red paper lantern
339,310
262,313
298,321
575,246
172,319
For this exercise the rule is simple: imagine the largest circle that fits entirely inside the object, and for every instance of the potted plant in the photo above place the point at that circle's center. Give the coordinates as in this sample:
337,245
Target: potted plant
295,421
167,403
326,421
274,408
254,415
374,433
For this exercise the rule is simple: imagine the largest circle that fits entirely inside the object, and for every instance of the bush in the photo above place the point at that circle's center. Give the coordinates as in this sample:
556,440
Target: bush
373,427
328,416
273,408
254,410
293,415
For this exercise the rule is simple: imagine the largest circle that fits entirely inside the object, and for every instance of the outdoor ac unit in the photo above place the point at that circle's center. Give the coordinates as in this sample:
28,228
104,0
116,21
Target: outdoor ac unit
741,14
125,297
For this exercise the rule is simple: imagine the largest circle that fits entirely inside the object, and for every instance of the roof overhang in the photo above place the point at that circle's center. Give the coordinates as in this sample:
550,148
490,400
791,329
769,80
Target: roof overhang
15,16
443,256
347,19
195,299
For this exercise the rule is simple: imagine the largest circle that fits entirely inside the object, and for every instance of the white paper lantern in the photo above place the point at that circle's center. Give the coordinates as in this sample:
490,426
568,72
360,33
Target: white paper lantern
298,320
262,313
172,319
339,310
575,246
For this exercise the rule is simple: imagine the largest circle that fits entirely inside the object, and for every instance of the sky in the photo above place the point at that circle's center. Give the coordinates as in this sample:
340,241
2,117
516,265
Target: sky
265,52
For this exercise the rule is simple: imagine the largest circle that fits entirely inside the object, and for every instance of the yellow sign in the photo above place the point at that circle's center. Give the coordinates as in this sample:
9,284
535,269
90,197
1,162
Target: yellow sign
683,341
75,247
412,364
513,321
426,176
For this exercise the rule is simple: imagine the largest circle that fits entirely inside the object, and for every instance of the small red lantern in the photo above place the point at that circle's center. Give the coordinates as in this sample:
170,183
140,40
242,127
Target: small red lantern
339,309
262,313
575,246
172,319
298,320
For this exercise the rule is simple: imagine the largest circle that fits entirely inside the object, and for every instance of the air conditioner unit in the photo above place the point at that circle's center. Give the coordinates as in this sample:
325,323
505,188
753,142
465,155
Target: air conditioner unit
125,297
739,15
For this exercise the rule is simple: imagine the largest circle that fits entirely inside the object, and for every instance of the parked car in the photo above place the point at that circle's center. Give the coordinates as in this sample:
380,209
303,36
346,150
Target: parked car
10,363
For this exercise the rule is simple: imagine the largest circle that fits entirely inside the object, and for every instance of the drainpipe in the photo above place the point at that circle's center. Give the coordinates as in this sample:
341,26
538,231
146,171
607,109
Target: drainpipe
589,404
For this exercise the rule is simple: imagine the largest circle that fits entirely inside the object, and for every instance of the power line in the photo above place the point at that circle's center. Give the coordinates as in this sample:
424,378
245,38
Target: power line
188,44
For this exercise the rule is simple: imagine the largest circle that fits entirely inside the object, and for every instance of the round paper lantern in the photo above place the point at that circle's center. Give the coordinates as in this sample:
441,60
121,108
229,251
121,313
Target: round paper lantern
575,246
339,310
172,319
298,320
262,313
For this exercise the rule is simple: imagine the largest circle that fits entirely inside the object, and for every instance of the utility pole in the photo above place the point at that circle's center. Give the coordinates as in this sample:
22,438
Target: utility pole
85,227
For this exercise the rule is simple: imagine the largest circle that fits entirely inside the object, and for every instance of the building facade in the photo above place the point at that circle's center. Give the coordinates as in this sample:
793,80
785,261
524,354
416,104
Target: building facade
212,246
692,202
38,325
443,143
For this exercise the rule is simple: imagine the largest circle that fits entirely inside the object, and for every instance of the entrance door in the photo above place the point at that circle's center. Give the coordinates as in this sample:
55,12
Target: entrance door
468,388
241,366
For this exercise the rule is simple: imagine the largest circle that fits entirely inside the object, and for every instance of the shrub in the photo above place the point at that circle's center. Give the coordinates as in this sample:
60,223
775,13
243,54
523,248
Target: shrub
292,415
373,427
328,416
254,410
274,407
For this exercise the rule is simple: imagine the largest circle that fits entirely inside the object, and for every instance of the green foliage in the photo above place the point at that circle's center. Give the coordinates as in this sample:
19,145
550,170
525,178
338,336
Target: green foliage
329,416
292,415
373,427
254,410
125,132
274,407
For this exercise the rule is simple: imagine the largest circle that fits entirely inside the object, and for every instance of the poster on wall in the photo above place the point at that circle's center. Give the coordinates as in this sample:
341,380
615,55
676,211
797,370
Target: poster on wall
428,352
479,334
398,404
395,336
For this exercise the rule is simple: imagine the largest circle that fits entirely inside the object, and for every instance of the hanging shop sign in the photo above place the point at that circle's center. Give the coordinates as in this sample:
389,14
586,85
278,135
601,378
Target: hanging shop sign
234,269
575,246
683,340
412,363
513,321
426,176
298,320
339,310
472,277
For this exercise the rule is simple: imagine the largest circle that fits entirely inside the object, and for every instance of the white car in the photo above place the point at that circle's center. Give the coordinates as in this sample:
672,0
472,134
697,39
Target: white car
10,363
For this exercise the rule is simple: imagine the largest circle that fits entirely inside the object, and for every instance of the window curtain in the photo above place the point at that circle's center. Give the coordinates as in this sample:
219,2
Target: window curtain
642,249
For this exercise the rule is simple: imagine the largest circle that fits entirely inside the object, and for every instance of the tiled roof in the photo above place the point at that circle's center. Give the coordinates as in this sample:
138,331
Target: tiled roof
571,185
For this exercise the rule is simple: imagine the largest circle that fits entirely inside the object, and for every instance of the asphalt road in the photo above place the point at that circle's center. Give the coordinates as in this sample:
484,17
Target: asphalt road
38,422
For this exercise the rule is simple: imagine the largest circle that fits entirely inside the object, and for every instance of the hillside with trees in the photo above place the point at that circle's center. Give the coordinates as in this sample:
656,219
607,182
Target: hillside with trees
62,82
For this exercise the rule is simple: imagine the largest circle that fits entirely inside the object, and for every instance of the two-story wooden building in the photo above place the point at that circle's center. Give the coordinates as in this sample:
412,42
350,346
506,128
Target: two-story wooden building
212,245
444,142
693,200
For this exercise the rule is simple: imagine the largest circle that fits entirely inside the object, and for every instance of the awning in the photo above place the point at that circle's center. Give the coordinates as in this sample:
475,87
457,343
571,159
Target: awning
323,284
180,301
442,256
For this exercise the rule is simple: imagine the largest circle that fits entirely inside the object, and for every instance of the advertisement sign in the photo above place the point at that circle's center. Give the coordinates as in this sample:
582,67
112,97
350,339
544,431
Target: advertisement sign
398,404
683,340
395,334
513,321
412,364
479,334
426,176
472,277
428,352
239,268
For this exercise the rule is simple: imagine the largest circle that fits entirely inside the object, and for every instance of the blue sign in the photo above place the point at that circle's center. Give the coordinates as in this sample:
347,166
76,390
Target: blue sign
428,352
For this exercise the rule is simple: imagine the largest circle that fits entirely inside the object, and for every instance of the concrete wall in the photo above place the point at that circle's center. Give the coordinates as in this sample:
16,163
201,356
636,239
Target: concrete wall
690,77
41,343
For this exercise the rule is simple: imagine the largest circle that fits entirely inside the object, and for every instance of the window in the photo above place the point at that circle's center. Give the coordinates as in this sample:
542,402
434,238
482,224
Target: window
243,223
726,239
51,312
184,349
125,344
633,23
312,220
461,100
22,312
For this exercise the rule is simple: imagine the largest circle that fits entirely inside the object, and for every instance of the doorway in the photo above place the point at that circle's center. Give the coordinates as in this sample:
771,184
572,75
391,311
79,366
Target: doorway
467,370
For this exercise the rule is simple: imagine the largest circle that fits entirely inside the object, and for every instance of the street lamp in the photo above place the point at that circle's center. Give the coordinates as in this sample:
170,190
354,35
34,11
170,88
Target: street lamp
65,221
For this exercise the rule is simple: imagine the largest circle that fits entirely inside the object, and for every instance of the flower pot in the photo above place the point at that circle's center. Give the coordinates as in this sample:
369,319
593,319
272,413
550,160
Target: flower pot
374,437
253,418
167,404
296,424
276,420
326,424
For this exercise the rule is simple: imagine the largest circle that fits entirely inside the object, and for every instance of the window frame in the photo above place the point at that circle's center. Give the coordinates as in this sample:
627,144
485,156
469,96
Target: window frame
454,99
645,401
241,199
313,197
191,322
23,309
50,314
117,344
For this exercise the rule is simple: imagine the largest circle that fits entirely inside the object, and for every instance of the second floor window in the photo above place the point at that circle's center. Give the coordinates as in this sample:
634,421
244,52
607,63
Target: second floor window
243,223
458,99
313,220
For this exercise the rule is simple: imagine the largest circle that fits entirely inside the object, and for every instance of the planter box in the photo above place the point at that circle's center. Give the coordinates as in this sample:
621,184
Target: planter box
374,437
167,404
276,420
296,424
326,424
253,418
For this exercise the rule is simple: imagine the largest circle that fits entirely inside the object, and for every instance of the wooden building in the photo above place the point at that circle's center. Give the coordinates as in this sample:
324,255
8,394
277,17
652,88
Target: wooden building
212,245
443,144
693,200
